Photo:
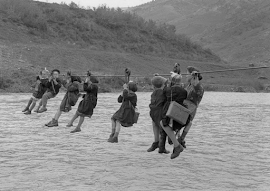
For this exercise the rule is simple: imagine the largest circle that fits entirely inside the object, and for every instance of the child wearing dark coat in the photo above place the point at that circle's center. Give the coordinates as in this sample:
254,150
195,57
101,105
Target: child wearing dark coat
125,115
40,88
178,94
70,99
158,99
53,87
88,104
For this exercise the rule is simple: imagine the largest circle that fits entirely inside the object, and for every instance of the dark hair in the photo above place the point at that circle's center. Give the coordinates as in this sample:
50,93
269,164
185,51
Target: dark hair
132,86
55,70
191,69
94,79
76,79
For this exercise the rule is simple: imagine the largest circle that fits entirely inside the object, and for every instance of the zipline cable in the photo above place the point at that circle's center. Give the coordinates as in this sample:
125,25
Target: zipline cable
184,74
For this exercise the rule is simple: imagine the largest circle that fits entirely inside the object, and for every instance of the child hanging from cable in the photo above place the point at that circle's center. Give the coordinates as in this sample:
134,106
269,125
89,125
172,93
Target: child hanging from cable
158,99
174,92
125,116
70,99
53,87
39,89
88,104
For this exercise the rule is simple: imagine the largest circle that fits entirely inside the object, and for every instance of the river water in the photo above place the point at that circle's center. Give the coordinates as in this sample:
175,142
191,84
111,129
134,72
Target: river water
227,148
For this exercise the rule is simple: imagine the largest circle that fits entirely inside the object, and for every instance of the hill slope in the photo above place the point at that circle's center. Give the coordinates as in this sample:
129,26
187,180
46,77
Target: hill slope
238,30
35,35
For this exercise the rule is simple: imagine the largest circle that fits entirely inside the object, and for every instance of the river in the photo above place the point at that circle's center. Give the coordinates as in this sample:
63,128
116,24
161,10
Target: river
227,148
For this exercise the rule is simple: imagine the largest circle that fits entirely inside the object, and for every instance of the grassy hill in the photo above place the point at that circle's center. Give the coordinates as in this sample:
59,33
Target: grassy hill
237,30
34,35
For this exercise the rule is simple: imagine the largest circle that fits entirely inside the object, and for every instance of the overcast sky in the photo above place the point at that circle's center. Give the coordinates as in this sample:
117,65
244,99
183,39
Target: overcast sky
95,3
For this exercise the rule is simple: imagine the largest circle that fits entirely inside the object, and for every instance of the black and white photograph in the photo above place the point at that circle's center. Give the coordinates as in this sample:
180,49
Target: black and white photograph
134,95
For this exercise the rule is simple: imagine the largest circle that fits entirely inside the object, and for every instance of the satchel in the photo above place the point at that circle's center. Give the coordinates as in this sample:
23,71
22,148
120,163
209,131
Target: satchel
178,112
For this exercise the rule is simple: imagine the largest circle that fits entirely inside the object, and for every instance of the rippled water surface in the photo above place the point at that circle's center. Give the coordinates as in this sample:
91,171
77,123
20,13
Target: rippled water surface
227,148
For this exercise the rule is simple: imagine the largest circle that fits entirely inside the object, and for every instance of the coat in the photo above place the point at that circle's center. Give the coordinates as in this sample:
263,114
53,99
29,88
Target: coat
71,97
125,115
158,99
54,88
40,88
174,93
89,102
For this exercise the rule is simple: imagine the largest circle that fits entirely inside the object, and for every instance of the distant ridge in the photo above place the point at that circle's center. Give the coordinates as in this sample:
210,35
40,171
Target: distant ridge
238,30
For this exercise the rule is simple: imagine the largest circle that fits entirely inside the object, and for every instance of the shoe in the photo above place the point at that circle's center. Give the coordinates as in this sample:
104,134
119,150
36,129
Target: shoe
48,123
53,123
163,151
153,147
176,151
183,143
69,125
28,112
42,110
114,140
36,110
26,109
111,137
76,130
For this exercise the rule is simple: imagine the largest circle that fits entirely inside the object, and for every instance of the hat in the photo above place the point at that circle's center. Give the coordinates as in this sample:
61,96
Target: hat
132,86
158,81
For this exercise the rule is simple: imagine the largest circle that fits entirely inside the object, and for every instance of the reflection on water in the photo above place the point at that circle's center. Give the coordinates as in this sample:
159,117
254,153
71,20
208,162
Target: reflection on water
228,148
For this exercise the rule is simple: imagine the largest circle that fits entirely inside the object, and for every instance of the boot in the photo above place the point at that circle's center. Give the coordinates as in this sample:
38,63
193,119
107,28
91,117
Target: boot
37,109
28,112
49,123
181,139
162,143
28,105
76,130
176,151
153,147
54,123
69,125
115,138
43,109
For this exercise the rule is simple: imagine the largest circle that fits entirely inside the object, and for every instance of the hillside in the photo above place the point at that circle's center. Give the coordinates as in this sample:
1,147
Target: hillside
237,30
35,35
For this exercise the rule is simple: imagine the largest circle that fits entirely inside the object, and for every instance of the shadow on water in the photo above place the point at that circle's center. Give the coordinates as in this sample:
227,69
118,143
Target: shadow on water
228,148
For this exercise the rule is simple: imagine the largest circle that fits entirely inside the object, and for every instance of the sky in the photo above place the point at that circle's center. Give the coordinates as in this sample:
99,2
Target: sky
96,3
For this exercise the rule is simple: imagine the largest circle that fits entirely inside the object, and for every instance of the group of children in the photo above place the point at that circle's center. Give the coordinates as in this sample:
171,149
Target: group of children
165,91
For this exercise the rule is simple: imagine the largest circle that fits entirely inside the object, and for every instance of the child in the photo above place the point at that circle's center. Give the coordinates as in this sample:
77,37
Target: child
173,93
88,104
70,98
158,99
125,115
40,89
53,87
194,97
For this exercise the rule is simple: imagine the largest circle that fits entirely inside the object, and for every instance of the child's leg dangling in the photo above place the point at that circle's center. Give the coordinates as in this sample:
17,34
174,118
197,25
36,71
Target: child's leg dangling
78,128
